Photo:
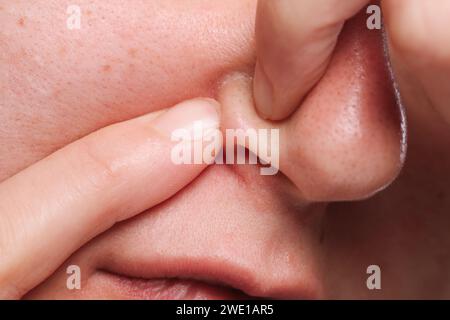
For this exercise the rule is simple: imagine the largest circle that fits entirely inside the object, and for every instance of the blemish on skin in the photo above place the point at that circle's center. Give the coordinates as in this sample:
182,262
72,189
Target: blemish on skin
106,68
23,53
57,94
62,51
21,22
132,52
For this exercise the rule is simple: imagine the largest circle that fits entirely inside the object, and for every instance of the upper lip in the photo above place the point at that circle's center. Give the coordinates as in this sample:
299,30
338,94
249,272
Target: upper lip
217,245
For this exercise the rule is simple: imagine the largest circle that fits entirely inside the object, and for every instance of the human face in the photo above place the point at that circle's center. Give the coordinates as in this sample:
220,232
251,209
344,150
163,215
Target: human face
231,233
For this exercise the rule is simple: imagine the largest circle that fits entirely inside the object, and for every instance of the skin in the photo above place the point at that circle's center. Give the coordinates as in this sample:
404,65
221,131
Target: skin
340,146
305,34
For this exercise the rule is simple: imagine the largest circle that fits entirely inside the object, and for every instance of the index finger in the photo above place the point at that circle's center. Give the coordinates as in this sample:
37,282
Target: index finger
55,206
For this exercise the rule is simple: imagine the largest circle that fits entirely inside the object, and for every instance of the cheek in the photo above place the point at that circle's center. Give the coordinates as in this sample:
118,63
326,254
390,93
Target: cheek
128,59
350,127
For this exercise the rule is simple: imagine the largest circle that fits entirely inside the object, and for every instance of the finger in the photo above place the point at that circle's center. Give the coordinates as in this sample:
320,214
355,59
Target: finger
294,42
418,34
52,208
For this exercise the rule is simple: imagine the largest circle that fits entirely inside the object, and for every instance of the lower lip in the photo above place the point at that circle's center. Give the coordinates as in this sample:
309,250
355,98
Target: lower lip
168,289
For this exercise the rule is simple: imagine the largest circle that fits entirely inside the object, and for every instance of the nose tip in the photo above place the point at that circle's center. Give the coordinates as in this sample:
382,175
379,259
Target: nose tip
351,141
345,141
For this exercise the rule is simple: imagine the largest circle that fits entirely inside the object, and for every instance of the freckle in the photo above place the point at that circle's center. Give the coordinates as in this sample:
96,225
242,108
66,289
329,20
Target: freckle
23,53
106,68
21,22
132,52
57,94
62,51
88,13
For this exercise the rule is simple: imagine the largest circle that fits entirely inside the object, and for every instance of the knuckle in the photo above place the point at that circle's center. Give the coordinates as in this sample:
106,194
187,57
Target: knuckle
99,165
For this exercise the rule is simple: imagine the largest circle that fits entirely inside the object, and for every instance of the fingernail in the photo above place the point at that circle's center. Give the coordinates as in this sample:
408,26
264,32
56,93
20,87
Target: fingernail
263,93
190,115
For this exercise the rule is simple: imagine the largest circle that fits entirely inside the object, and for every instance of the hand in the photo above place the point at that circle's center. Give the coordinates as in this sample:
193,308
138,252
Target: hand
294,42
418,35
53,207
296,38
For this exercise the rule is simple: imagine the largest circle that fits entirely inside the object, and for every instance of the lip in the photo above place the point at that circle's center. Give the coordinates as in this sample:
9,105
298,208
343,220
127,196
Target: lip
168,289
210,278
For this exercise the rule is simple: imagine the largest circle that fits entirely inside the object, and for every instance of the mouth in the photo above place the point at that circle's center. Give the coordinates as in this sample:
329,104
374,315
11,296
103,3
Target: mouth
196,279
169,288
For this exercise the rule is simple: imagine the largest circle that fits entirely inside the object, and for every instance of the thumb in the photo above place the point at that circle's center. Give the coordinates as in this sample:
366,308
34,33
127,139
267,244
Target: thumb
294,43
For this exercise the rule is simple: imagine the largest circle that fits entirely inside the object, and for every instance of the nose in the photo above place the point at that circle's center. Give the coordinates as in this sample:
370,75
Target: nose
347,140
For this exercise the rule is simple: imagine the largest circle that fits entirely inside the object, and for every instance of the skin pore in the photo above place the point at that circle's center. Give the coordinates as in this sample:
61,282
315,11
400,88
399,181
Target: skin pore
285,236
